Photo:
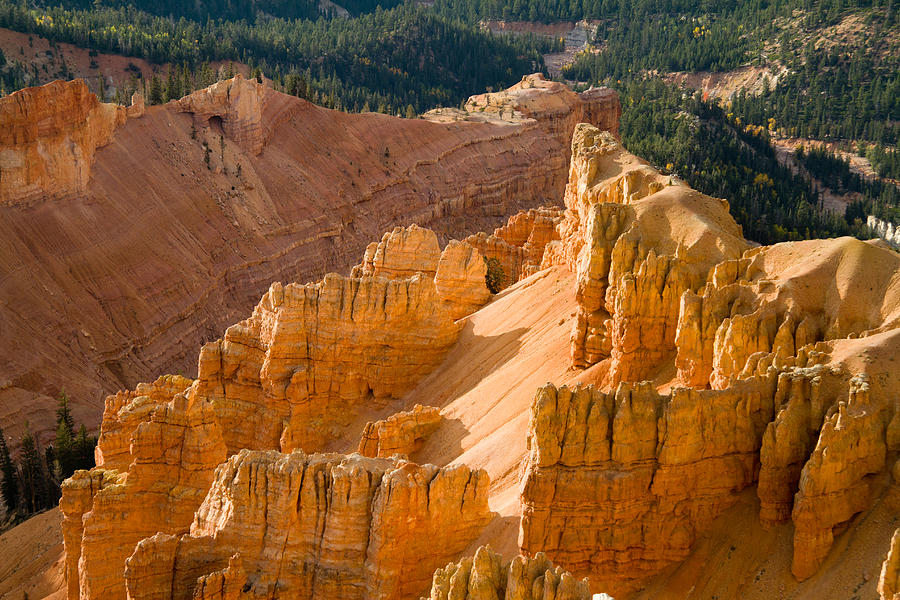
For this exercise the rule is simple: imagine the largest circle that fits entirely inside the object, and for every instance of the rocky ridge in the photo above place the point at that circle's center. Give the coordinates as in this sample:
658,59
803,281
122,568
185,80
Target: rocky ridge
49,138
484,576
291,376
130,239
700,369
779,402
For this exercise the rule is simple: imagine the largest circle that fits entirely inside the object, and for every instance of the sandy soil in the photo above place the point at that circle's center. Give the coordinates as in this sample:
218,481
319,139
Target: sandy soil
727,83
33,559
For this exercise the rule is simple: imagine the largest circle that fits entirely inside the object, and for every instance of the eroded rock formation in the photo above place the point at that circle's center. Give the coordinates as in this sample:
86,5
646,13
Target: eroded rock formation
889,581
316,526
402,253
49,137
617,485
637,240
293,375
401,433
102,308
519,245
485,577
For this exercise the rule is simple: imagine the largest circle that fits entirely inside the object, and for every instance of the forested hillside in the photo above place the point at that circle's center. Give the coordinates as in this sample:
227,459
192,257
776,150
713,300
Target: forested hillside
389,60
834,66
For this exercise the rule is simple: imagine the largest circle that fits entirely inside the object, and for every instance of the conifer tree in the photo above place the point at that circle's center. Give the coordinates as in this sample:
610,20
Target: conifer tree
84,449
64,443
33,475
10,488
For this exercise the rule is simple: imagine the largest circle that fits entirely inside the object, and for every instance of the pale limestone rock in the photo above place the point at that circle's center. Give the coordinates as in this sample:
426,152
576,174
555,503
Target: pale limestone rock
401,433
889,581
276,379
485,577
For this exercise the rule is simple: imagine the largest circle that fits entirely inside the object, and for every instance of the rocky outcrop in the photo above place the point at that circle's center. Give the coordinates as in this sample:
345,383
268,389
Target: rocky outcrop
173,454
460,279
617,485
485,577
884,229
519,245
49,138
100,308
889,581
401,253
458,271
833,485
637,241
293,375
276,379
123,414
401,433
766,302
558,108
239,105
316,526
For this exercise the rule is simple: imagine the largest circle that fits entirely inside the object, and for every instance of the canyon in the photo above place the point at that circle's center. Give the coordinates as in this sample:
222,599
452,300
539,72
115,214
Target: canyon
653,406
133,235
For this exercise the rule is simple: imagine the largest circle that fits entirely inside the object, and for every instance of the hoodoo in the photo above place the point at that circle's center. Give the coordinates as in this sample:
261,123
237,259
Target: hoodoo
648,388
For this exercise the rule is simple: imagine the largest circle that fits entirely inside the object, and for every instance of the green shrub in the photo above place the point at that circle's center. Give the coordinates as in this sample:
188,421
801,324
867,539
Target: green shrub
495,278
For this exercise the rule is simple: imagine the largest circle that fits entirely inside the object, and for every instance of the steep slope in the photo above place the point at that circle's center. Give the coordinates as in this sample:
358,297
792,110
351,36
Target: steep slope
173,228
702,393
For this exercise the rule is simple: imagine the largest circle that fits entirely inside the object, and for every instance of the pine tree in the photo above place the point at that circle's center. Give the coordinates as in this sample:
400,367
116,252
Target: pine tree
64,443
33,476
173,86
10,488
84,449
156,90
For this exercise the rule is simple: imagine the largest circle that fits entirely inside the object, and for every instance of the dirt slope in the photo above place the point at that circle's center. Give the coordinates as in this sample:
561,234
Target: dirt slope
186,220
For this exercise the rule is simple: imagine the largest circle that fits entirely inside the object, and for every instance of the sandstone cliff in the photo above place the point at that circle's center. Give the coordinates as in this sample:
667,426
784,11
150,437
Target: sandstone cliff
519,245
294,375
637,240
120,260
620,483
714,383
617,485
401,433
48,140
485,577
316,526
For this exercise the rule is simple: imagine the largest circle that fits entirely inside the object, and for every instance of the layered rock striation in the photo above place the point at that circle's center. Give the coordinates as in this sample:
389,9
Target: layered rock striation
245,186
